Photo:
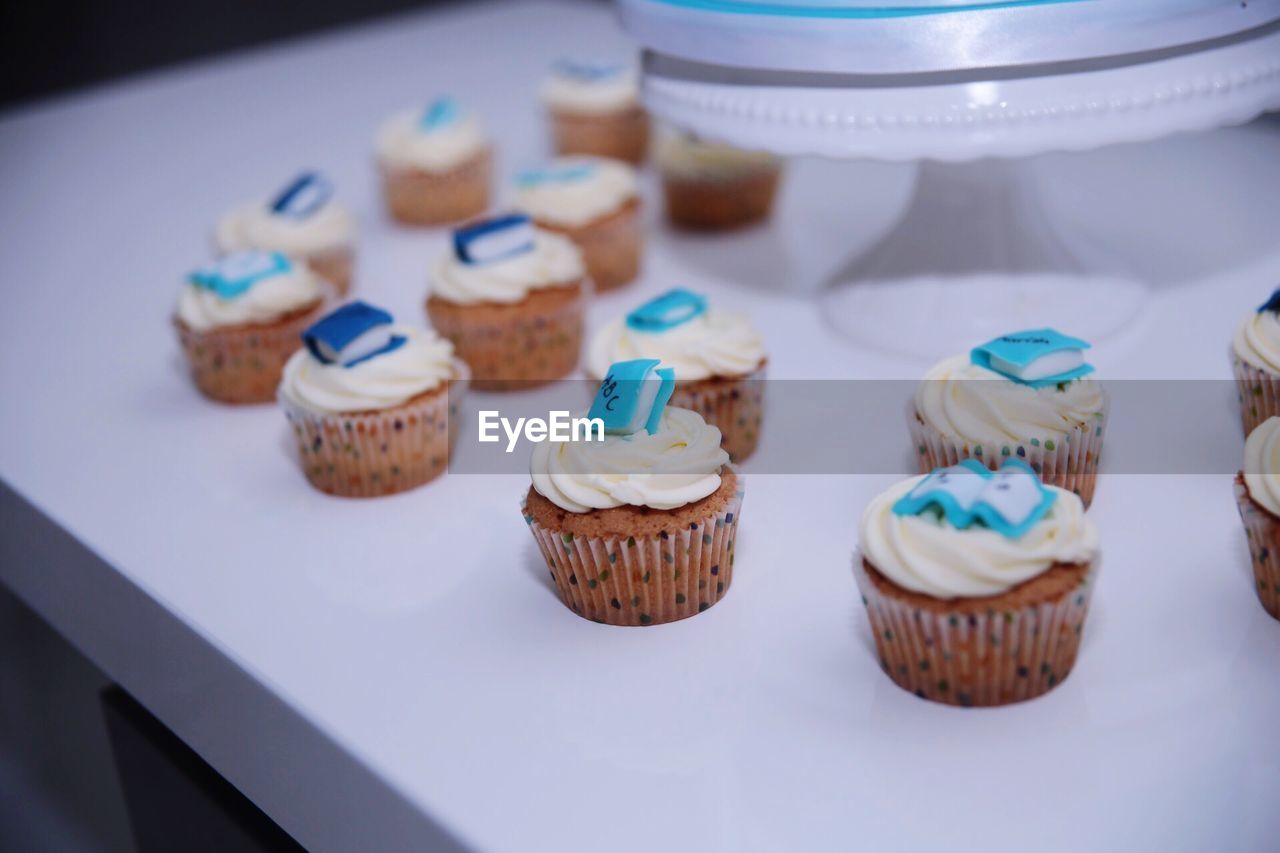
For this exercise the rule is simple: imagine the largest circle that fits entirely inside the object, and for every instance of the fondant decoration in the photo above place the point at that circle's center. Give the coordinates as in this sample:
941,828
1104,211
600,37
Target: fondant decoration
354,333
440,113
494,239
1007,501
1272,304
234,274
1036,357
588,72
633,396
671,309
308,193
567,173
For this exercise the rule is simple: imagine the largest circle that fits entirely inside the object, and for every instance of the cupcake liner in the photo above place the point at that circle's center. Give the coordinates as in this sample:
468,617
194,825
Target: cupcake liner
734,405
334,266
622,135
368,454
1069,462
716,204
643,580
1263,532
611,247
980,658
518,346
419,197
1258,391
242,364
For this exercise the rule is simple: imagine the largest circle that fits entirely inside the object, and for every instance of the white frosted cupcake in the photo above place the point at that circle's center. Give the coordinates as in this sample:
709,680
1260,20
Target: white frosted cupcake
1255,361
304,221
594,202
639,528
714,187
370,402
595,109
976,584
436,164
239,319
1258,499
1025,395
718,356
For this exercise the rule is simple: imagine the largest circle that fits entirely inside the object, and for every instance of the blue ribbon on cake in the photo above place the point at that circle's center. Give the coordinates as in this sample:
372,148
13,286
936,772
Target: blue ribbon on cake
352,334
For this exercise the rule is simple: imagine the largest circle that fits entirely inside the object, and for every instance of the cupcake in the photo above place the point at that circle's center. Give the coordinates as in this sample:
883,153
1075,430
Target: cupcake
718,355
302,221
593,202
1023,396
239,320
595,109
370,401
436,164
976,583
637,527
1258,498
710,187
1255,360
511,298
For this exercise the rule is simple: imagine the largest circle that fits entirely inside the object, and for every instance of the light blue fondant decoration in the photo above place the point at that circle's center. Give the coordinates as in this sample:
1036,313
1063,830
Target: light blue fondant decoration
671,309
307,193
1008,501
354,333
494,239
439,114
1036,357
566,173
588,72
1272,304
633,396
234,274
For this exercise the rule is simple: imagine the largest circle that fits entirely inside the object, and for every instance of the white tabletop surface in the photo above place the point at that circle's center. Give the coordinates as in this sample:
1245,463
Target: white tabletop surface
416,637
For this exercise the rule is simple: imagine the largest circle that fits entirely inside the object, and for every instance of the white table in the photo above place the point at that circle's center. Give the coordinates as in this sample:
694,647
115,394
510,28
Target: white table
381,674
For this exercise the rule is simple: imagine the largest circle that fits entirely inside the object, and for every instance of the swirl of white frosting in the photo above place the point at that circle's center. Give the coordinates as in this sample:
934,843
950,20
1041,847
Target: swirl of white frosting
554,261
715,343
979,405
1262,464
682,156
566,93
609,186
419,365
256,226
402,143
1257,340
924,553
677,465
268,299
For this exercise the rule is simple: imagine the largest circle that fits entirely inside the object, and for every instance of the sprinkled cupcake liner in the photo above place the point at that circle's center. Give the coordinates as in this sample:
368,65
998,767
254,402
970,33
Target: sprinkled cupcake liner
419,197
976,659
1068,461
1258,392
611,247
515,347
622,135
334,266
242,364
734,406
368,454
643,580
1263,532
716,204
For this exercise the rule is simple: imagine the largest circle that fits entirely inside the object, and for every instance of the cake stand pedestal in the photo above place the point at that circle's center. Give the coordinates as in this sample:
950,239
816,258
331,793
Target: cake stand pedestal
976,253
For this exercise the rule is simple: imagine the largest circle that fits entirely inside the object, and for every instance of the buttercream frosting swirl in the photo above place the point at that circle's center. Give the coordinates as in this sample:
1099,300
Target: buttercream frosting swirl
554,260
978,405
606,187
612,93
419,365
402,142
715,343
257,226
675,466
1262,464
268,299
1257,340
926,554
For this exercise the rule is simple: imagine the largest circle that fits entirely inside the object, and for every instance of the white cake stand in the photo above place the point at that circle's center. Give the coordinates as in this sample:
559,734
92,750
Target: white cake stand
976,253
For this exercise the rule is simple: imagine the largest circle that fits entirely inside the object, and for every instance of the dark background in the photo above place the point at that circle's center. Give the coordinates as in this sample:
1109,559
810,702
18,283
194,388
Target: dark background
51,47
